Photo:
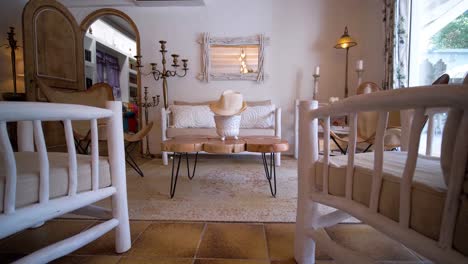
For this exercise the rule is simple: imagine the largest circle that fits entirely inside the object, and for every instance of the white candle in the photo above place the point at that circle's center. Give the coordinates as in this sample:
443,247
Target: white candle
360,65
317,70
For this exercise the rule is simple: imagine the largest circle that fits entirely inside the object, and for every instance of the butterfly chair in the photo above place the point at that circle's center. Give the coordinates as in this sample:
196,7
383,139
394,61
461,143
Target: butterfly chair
367,125
132,141
95,96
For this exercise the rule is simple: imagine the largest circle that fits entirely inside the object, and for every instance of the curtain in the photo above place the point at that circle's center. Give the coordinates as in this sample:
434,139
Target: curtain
113,74
100,66
397,24
108,71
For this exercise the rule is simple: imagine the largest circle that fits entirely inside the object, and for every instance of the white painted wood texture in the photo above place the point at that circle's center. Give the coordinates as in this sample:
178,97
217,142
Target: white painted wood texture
351,152
164,125
43,162
10,178
116,149
378,161
13,219
68,245
310,222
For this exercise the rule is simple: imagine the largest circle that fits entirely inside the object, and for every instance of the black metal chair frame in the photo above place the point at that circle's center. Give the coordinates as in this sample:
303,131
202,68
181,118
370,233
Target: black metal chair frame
129,159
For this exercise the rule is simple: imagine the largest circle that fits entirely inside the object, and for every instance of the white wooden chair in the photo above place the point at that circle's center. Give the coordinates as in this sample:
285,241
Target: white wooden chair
420,201
37,186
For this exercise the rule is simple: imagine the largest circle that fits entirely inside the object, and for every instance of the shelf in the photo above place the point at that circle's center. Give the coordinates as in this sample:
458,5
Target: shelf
90,64
131,71
134,85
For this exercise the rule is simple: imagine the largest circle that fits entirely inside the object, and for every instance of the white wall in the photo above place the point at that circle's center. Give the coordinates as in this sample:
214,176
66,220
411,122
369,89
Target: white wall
302,33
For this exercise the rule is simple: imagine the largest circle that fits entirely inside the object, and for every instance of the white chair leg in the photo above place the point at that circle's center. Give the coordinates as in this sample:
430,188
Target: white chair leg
304,245
278,159
117,166
165,158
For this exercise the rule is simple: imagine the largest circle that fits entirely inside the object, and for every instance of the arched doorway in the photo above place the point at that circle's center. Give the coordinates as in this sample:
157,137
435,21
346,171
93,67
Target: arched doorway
111,40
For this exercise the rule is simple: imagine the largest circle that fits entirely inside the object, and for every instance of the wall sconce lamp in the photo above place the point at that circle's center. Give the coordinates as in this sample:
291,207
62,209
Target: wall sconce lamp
345,42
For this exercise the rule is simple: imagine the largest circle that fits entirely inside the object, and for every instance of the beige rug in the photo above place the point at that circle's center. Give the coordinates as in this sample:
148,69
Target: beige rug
229,189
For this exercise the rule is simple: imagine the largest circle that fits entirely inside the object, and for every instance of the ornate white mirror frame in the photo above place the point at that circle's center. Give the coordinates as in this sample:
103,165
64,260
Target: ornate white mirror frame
208,42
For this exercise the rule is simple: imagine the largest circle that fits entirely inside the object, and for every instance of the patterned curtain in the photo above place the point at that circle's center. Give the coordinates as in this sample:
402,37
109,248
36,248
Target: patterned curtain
108,71
397,24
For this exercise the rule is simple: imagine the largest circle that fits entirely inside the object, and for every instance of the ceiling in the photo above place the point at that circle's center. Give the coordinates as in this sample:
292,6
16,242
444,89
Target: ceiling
120,24
143,3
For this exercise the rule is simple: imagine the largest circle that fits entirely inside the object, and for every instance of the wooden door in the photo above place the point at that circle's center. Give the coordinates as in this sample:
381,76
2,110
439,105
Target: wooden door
53,48
53,53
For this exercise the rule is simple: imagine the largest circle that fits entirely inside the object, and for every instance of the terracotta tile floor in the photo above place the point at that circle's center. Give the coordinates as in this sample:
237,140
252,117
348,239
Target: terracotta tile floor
202,243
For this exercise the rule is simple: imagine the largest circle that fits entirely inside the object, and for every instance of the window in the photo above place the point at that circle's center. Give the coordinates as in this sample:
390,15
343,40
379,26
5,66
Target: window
439,44
439,40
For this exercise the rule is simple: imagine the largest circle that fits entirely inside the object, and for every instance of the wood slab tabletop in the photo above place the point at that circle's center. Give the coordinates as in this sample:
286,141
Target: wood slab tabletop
186,144
227,146
266,145
196,143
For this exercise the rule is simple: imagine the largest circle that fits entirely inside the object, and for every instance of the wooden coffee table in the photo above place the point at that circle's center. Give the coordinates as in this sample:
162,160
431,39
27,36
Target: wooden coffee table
193,144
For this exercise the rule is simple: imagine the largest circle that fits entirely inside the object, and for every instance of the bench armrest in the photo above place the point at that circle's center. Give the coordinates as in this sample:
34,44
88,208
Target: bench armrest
278,122
164,122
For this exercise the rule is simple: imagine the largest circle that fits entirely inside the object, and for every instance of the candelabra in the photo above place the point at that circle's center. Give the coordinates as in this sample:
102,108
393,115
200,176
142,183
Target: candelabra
164,73
12,44
316,85
359,75
145,106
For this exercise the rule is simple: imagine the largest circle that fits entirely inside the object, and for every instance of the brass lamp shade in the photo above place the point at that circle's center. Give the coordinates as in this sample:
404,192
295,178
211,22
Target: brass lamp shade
345,41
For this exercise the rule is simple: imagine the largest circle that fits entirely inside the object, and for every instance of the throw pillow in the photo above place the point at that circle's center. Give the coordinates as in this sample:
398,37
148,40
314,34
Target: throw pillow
192,116
258,117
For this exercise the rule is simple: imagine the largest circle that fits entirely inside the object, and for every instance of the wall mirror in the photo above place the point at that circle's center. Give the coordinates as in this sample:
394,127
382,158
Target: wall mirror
239,58
110,42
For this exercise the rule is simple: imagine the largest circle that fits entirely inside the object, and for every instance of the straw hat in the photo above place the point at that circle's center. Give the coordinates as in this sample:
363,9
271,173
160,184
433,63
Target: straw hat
230,103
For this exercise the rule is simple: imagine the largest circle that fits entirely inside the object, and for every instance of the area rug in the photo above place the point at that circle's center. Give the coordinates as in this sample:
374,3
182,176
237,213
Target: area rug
229,189
226,190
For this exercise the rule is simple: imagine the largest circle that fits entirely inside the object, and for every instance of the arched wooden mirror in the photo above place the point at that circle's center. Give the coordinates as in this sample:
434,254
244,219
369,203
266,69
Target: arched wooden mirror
110,42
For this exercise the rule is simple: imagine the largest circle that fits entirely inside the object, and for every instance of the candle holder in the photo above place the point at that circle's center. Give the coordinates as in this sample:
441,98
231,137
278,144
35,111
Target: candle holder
359,76
316,86
12,44
164,73
147,105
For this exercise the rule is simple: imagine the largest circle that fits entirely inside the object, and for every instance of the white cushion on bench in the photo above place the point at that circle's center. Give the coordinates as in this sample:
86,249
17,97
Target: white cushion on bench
27,164
201,116
427,197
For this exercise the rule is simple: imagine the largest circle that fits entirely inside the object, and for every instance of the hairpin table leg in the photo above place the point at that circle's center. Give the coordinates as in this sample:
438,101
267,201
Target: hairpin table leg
194,166
175,176
270,173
